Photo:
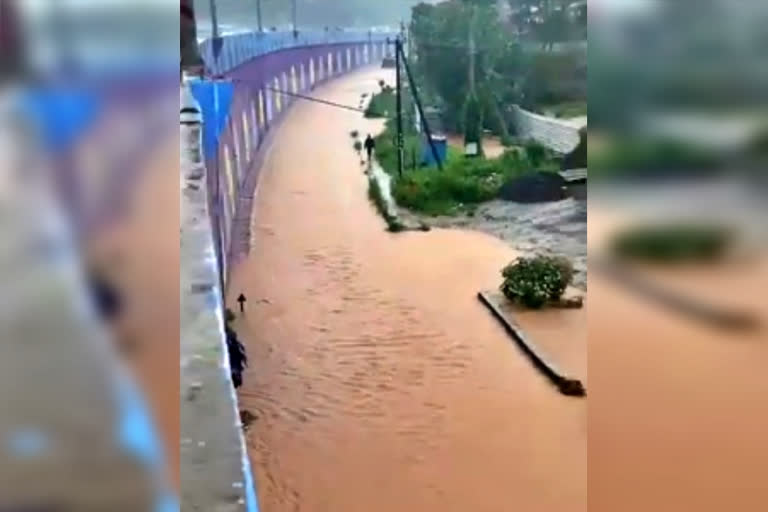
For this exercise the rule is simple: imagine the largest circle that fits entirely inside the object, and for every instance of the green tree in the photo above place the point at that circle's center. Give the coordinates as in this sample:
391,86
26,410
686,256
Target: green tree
440,42
549,21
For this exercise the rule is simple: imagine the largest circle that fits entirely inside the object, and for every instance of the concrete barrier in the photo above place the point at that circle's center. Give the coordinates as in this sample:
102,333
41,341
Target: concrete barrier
215,471
557,134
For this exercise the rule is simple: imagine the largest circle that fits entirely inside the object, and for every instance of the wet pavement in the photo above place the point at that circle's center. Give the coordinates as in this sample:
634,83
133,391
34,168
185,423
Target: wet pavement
376,380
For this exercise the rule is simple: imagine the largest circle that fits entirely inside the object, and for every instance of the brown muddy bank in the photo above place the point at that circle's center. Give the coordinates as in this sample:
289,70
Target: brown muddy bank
377,381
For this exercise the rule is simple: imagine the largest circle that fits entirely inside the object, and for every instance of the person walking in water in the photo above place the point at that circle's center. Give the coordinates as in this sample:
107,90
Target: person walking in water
370,145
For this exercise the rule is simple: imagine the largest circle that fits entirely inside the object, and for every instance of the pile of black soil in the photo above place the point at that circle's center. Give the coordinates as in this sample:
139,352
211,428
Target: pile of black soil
534,187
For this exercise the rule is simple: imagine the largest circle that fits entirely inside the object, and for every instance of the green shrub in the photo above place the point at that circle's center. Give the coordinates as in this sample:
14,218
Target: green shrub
464,182
354,134
438,193
535,281
382,104
358,146
535,152
672,243
514,162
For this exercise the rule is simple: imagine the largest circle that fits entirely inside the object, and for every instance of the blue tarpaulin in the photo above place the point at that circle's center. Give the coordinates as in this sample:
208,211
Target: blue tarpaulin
441,145
215,99
62,115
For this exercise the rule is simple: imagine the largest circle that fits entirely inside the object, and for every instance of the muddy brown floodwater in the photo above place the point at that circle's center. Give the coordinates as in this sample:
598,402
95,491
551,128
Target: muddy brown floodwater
377,380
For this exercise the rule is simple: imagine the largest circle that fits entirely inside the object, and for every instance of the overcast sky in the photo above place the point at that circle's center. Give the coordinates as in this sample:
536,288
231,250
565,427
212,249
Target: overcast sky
241,14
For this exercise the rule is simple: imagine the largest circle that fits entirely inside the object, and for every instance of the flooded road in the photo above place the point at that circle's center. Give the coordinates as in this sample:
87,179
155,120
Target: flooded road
377,380
557,228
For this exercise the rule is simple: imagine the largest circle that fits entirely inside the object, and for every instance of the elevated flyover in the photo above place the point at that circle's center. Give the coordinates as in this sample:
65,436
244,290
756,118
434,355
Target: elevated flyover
251,83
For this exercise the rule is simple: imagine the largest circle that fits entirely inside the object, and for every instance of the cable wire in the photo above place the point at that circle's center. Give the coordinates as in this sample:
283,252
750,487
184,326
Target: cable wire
308,98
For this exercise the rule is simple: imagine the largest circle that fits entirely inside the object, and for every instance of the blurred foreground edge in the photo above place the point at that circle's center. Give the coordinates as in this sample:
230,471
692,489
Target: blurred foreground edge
75,433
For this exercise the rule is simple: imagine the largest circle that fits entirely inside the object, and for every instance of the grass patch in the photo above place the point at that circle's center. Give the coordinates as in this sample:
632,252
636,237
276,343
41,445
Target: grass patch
677,243
382,104
463,183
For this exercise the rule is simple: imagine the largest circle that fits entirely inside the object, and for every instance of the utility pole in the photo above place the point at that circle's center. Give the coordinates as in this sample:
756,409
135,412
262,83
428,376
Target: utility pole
293,17
258,16
472,49
424,122
399,96
216,41
214,20
473,128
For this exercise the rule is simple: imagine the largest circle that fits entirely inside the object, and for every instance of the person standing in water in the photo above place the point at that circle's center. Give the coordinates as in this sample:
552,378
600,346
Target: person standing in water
370,146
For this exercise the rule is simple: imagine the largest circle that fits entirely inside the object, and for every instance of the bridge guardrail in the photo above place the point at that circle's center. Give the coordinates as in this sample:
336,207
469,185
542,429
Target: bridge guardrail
221,166
240,48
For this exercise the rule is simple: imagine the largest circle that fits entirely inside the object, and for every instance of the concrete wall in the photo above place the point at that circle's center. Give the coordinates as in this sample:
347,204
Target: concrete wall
255,112
215,472
97,136
561,135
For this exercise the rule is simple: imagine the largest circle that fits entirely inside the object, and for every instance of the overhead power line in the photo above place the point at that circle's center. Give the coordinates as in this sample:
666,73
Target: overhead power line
311,98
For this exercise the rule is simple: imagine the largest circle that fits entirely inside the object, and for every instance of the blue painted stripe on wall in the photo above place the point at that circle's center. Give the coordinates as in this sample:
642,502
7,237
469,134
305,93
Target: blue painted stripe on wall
215,99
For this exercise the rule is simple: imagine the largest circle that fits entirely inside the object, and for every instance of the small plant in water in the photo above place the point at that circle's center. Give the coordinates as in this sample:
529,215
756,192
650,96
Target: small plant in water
533,282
